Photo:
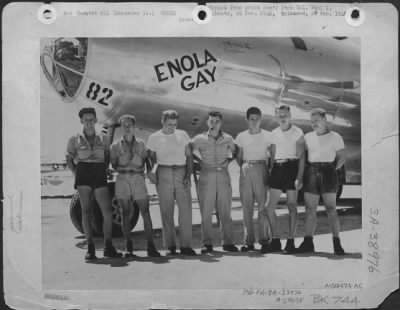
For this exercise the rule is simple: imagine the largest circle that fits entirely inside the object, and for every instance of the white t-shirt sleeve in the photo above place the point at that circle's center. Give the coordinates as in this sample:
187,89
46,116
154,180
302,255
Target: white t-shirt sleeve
268,138
299,133
151,144
239,140
273,137
338,142
185,137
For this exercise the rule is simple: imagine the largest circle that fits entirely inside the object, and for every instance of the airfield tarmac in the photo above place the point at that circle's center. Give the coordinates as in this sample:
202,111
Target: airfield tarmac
64,267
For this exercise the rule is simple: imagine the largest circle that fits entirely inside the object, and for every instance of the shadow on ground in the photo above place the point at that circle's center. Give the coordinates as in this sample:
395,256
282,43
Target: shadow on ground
350,219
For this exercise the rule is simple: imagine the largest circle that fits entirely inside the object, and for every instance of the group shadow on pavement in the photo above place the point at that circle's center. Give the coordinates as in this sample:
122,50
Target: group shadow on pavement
350,219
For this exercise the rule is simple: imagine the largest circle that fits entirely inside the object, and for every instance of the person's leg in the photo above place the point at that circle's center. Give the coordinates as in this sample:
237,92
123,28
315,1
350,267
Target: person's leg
247,200
333,218
311,202
260,188
85,197
144,208
184,202
103,199
274,196
224,205
292,207
166,196
124,197
207,195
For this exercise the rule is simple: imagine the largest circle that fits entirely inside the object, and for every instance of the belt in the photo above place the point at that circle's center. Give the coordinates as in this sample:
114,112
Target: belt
172,166
255,162
214,168
283,161
321,164
131,172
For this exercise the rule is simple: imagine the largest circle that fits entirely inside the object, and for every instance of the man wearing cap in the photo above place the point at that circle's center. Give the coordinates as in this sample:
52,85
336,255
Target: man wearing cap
128,157
87,157
287,154
252,158
169,148
216,149
326,155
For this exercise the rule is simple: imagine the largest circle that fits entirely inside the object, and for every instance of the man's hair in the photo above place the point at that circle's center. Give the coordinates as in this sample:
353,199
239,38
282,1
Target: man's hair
86,111
319,111
283,107
133,118
215,114
253,110
169,114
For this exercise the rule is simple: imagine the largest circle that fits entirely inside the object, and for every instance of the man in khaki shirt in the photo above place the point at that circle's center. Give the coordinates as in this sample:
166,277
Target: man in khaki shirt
128,157
217,149
87,157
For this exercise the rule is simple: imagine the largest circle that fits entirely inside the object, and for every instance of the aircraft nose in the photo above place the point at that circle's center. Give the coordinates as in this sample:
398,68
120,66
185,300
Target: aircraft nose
63,61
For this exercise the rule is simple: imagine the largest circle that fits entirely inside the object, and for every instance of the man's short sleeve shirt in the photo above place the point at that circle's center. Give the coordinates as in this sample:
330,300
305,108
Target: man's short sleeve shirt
169,149
323,148
255,146
214,152
285,142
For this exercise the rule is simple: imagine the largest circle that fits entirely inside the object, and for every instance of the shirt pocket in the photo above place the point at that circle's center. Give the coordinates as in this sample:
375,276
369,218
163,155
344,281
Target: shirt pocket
124,159
83,152
98,151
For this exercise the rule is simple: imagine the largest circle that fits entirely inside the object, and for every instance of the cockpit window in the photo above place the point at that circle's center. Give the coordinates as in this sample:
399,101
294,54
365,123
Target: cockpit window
64,62
71,53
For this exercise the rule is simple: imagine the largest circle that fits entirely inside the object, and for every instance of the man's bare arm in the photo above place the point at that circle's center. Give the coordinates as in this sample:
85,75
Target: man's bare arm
70,163
340,158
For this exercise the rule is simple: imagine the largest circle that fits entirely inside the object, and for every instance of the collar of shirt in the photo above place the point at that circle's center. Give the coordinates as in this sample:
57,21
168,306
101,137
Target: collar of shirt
125,144
220,136
97,138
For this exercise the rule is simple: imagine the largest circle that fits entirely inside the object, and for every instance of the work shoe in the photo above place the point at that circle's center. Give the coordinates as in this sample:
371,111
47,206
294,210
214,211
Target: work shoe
152,251
247,248
274,246
337,247
306,246
207,248
229,248
110,251
172,251
91,252
289,248
188,252
129,255
129,249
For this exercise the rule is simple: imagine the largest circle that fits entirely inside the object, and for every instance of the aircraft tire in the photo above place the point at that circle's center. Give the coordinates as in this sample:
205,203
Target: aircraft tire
97,220
75,212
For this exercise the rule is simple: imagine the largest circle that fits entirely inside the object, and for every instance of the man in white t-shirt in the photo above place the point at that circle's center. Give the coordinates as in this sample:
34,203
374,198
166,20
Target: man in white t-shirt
287,153
169,148
326,154
252,159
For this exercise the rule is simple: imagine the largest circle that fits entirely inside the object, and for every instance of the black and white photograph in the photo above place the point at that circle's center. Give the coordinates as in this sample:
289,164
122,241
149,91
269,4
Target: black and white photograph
257,140
218,156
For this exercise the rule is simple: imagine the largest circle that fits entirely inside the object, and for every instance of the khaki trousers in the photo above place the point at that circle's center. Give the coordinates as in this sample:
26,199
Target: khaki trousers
170,188
253,188
215,191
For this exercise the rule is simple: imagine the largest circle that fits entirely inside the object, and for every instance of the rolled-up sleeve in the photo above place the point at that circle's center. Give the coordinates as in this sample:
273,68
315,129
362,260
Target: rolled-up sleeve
71,149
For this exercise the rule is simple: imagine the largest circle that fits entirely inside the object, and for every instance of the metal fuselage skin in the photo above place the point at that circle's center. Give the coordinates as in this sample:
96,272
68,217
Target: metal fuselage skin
145,76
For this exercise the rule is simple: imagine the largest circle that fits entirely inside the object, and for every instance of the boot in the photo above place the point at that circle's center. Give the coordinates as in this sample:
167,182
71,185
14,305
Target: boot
151,250
274,246
91,252
337,247
306,246
289,248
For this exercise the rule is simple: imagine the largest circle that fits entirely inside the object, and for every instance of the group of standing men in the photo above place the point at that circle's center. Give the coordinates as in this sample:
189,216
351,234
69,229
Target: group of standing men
283,160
